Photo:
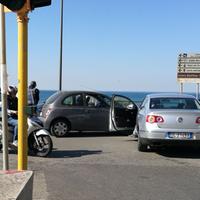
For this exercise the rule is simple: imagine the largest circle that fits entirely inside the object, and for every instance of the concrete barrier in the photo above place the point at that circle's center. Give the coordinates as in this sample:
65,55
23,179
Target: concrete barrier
16,185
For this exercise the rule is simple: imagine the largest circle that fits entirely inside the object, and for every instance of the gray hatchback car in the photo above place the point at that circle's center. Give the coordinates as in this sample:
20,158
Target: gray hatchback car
66,111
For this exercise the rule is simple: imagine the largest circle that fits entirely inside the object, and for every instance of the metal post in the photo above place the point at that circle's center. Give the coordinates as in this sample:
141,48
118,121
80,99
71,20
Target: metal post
197,92
181,88
4,86
22,90
61,43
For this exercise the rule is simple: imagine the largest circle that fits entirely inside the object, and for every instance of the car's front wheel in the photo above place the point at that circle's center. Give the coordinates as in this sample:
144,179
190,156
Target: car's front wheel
60,128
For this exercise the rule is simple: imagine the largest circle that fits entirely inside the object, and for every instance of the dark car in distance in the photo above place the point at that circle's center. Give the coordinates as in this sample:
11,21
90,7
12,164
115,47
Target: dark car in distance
66,111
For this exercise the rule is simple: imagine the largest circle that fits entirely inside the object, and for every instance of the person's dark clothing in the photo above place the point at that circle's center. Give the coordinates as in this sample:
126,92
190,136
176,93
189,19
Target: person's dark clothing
36,95
12,105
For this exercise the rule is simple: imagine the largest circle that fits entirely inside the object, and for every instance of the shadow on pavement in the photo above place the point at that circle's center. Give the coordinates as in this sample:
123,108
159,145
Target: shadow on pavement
72,154
179,152
95,134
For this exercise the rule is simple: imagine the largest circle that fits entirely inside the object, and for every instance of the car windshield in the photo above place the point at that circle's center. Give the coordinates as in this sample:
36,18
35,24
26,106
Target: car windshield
174,103
52,98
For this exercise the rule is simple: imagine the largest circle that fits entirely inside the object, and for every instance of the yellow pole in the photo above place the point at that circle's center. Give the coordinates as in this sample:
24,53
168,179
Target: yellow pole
22,90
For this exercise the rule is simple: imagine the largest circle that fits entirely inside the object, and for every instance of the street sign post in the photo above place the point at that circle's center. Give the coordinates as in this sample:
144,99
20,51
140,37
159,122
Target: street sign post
4,86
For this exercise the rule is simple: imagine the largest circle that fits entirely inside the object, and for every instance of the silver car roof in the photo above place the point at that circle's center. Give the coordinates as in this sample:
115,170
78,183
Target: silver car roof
175,95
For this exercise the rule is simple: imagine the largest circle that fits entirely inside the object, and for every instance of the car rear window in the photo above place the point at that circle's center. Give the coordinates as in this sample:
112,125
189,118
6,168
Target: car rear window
52,98
174,103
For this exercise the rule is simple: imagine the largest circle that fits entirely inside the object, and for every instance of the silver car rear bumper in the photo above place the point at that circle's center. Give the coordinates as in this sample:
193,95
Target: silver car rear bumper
157,134
159,142
159,138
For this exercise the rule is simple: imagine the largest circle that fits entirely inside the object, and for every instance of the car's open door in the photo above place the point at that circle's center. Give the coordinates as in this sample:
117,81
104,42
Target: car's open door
123,113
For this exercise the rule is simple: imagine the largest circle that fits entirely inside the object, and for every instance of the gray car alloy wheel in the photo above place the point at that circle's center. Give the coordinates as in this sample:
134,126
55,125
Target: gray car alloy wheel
60,128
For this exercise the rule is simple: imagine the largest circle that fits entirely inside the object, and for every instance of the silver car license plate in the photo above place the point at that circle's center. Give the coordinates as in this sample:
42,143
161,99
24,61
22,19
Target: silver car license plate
179,135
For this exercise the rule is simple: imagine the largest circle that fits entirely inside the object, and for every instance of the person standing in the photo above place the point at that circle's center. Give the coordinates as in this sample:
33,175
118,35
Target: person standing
12,101
34,95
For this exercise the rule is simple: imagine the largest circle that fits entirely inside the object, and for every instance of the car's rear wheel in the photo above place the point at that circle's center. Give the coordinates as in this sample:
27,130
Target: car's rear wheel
60,128
142,146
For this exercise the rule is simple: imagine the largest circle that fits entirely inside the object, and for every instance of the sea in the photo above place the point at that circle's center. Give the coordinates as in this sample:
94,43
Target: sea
137,97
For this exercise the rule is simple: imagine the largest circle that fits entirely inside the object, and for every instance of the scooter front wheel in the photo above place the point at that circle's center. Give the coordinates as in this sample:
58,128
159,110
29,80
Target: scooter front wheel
42,147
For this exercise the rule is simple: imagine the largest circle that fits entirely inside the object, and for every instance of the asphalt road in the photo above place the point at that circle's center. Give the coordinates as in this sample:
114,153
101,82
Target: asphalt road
100,167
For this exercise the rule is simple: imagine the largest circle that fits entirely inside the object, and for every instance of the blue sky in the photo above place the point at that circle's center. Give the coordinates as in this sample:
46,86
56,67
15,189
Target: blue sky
120,45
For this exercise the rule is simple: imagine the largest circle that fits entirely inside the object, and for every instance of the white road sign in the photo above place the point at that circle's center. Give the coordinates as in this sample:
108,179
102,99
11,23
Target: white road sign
188,69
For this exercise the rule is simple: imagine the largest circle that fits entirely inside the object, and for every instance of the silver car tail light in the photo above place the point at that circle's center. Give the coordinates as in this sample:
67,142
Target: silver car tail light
154,119
198,120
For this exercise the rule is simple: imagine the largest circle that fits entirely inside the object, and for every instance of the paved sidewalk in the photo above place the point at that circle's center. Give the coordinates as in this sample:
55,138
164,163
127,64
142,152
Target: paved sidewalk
39,186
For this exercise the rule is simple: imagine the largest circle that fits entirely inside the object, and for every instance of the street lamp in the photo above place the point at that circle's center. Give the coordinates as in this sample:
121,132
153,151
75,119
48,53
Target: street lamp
61,43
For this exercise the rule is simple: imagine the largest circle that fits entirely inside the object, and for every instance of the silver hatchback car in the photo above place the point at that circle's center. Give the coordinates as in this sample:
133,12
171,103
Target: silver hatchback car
168,119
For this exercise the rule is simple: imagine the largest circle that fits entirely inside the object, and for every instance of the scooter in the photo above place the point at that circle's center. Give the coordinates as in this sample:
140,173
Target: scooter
39,140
